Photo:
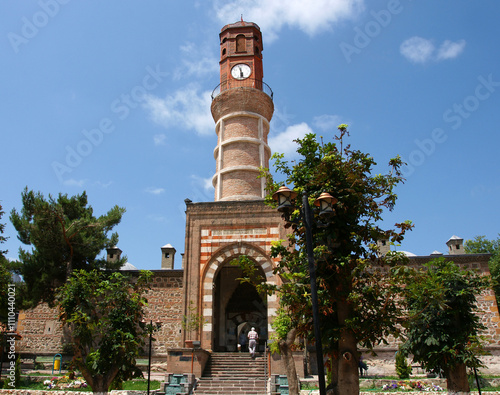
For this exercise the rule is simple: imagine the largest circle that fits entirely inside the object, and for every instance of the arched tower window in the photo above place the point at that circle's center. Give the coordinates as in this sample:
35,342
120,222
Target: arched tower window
240,43
224,52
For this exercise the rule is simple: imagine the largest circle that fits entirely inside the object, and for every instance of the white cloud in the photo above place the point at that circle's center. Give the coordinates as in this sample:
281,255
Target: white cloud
205,183
450,49
186,108
159,139
417,49
197,61
74,183
156,218
155,191
421,50
327,123
283,142
104,185
281,119
309,16
202,188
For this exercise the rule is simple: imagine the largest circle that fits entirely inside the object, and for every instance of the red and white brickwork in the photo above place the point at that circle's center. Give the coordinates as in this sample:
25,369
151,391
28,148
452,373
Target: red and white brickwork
216,234
220,246
242,148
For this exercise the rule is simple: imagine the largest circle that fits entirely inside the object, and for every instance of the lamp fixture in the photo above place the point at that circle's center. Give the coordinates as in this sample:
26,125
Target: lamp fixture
285,199
325,202
284,196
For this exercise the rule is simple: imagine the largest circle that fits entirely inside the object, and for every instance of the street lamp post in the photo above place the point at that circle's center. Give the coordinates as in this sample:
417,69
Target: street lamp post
314,294
284,196
151,329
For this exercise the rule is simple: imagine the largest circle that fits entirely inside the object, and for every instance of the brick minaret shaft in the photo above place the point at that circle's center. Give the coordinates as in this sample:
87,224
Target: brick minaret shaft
242,112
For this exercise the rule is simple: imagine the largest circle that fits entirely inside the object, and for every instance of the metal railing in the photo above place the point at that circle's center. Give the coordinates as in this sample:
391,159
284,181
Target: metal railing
246,83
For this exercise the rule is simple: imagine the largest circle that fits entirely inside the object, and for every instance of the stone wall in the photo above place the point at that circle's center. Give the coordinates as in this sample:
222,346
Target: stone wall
165,301
384,361
486,302
44,392
42,333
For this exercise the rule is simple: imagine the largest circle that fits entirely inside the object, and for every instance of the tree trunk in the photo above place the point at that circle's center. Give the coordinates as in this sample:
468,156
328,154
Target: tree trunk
456,379
69,269
99,383
348,373
291,372
333,386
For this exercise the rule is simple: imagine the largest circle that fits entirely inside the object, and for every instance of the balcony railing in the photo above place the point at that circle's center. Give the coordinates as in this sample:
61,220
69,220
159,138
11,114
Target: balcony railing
246,83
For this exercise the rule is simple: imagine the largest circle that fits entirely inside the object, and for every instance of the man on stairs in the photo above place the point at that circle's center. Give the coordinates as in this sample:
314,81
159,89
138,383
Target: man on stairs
252,344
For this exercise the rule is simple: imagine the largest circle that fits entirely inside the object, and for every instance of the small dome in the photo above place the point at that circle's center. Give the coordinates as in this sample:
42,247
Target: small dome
128,266
454,238
407,253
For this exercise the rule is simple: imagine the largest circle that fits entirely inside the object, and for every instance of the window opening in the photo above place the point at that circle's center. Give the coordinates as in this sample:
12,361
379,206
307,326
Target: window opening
240,43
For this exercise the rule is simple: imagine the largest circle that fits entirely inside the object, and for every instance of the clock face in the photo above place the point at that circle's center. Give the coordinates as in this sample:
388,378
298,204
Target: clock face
241,71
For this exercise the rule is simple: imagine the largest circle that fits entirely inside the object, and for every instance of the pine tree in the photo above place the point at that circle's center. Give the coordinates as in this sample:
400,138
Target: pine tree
63,235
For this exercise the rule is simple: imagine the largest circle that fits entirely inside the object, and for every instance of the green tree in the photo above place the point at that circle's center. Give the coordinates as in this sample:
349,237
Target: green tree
403,369
64,235
356,295
442,329
285,334
104,311
285,329
481,245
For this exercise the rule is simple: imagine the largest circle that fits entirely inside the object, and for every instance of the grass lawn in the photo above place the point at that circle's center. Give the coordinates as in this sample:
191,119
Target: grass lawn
138,385
378,388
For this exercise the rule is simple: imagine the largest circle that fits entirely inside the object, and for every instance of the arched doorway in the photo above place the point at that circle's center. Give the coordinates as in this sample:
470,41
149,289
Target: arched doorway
237,307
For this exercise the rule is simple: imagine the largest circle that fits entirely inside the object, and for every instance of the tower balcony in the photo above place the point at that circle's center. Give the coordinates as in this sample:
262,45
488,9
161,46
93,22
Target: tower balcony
246,83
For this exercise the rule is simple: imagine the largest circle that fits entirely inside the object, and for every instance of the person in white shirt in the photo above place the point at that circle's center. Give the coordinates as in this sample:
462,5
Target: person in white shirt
252,343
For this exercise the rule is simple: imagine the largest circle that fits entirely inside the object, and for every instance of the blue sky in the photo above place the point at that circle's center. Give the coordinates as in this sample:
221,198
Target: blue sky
114,98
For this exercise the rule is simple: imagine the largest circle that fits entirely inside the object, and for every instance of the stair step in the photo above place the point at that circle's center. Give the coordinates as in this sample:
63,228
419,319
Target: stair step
233,374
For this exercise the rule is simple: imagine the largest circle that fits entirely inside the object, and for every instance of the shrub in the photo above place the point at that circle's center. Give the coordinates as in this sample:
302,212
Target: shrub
403,370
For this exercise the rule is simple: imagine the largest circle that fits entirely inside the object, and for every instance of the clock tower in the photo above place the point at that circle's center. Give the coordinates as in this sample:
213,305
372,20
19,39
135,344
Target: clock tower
242,108
241,55
238,223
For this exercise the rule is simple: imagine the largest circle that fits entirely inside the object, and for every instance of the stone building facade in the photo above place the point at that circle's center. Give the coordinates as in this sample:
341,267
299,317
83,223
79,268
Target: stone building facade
42,333
217,234
237,223
40,330
487,309
226,308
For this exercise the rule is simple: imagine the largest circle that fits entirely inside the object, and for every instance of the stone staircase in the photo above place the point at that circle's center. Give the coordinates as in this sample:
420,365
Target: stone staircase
233,373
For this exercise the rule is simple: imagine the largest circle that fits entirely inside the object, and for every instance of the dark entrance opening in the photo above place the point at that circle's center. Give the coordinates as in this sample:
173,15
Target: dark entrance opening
237,307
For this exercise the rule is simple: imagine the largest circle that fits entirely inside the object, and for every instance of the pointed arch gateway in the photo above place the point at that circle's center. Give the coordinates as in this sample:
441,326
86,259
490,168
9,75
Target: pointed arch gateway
230,308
